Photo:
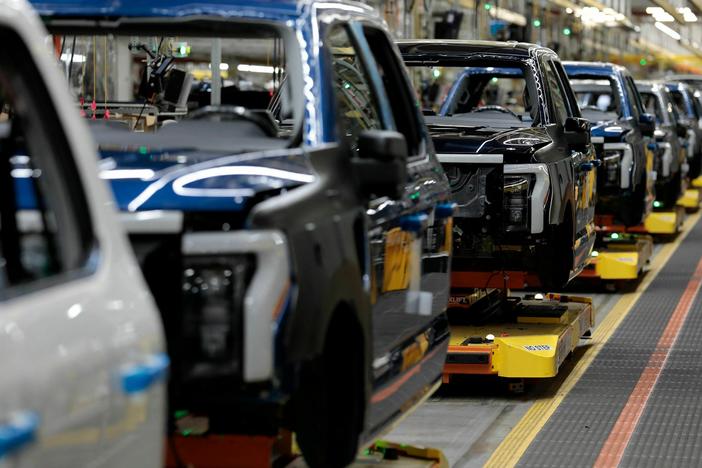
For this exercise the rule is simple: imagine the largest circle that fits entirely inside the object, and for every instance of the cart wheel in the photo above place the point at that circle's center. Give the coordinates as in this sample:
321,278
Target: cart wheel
516,386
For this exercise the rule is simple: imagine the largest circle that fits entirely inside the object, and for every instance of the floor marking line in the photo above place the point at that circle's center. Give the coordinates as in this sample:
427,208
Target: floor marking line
510,451
619,437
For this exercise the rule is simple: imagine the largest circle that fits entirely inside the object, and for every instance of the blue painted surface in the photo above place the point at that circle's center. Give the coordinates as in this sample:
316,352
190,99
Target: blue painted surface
445,210
414,222
222,184
18,432
171,8
139,378
608,130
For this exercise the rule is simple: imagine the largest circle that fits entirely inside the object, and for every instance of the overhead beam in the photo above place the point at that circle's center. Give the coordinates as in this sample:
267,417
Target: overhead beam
697,4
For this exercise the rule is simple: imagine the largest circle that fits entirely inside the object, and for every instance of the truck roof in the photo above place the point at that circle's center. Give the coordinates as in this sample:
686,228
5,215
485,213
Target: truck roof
592,68
181,8
457,48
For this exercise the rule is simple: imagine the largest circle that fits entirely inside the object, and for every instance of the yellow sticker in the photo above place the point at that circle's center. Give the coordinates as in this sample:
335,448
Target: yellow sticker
396,275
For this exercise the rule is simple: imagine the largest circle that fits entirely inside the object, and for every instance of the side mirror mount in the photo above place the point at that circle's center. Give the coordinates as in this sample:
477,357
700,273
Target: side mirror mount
380,165
577,131
647,124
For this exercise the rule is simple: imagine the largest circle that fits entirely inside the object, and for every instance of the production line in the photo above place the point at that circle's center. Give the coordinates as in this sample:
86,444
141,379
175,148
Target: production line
325,234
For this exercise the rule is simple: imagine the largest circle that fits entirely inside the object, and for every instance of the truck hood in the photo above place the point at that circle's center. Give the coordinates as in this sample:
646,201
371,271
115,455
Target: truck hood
145,180
475,139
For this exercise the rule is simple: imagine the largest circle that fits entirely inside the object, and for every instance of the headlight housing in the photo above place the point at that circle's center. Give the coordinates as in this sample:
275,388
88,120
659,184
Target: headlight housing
213,290
611,167
516,202
664,159
691,143
617,167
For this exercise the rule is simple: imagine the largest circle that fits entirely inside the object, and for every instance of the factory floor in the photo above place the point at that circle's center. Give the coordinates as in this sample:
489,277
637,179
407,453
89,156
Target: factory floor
630,396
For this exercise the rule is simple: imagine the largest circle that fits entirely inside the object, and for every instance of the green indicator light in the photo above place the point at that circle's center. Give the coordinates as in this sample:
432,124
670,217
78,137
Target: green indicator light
567,32
494,79
347,86
143,150
537,23
186,432
643,62
657,204
615,236
180,414
436,72
414,196
488,6
182,49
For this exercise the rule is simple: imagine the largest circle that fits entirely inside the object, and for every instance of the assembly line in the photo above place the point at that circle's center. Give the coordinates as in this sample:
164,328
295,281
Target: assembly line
244,233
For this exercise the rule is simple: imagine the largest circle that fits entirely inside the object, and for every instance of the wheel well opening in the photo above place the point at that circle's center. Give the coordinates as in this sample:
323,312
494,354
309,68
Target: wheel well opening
344,357
568,218
359,234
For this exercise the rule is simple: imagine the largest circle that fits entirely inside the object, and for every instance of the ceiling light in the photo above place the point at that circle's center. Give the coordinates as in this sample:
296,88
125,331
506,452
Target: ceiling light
659,14
669,31
592,16
688,15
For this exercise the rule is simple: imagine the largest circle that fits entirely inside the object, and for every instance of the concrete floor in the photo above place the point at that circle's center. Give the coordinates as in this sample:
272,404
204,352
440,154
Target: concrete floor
469,418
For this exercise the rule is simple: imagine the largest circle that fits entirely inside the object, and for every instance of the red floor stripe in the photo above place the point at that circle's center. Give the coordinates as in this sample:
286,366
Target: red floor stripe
615,445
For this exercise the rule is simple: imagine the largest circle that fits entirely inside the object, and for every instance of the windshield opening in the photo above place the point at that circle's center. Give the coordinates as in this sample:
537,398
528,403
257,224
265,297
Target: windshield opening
599,99
210,89
652,105
680,105
496,95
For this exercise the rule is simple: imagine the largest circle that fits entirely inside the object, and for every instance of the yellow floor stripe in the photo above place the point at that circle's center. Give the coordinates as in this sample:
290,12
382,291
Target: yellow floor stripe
518,440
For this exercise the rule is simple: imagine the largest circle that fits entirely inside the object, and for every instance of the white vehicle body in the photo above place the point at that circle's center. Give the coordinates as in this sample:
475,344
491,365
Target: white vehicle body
82,351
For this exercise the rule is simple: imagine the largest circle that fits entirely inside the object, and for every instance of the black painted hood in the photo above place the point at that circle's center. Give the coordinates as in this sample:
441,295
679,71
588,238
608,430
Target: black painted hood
488,140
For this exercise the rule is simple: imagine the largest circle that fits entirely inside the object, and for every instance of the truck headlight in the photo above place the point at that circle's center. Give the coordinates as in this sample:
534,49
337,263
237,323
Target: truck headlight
611,166
618,165
665,159
212,321
515,203
230,324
